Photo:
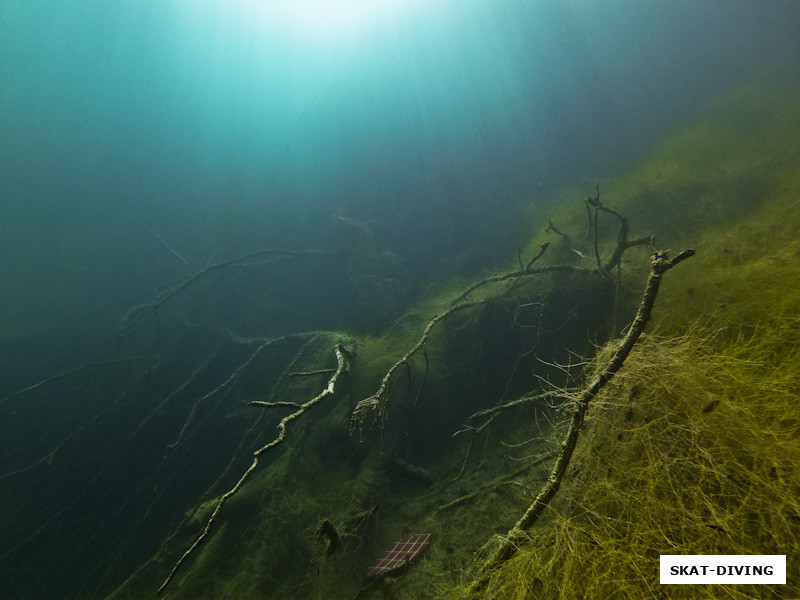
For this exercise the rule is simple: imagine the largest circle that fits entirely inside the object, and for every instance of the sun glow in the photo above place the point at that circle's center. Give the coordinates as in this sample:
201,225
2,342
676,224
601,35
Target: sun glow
325,18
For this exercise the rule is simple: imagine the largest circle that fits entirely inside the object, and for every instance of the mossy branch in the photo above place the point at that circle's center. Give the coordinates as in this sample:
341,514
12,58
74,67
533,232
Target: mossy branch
373,408
69,372
497,278
490,413
368,410
622,244
660,263
136,313
343,365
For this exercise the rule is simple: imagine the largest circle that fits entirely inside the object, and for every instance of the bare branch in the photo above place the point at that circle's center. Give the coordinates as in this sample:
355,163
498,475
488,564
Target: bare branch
660,263
343,365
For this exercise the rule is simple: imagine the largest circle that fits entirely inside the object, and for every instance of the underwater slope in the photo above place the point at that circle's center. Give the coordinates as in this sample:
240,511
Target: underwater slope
694,448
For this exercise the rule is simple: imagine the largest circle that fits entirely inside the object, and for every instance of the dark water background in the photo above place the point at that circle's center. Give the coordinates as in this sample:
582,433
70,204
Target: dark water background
224,128
141,141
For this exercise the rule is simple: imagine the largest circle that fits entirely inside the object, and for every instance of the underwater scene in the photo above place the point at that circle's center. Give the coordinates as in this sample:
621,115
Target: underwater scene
399,299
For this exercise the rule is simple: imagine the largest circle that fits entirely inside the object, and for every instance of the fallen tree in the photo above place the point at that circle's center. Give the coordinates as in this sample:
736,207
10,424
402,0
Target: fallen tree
267,372
508,544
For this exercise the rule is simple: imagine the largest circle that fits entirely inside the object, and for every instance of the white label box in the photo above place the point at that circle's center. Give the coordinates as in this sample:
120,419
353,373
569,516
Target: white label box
723,568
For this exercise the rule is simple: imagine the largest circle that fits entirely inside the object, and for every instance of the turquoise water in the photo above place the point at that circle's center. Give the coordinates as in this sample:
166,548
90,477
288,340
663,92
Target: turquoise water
404,143
224,127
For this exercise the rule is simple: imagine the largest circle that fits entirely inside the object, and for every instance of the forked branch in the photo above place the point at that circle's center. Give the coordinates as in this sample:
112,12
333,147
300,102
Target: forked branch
343,365
371,409
136,313
660,263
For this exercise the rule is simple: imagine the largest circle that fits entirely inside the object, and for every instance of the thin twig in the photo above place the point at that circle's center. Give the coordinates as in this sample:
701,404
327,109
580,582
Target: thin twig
343,366
140,311
68,372
167,246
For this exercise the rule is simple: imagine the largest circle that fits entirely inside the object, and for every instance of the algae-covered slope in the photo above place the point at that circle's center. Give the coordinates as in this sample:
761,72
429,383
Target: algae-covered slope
460,407
695,447
692,449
